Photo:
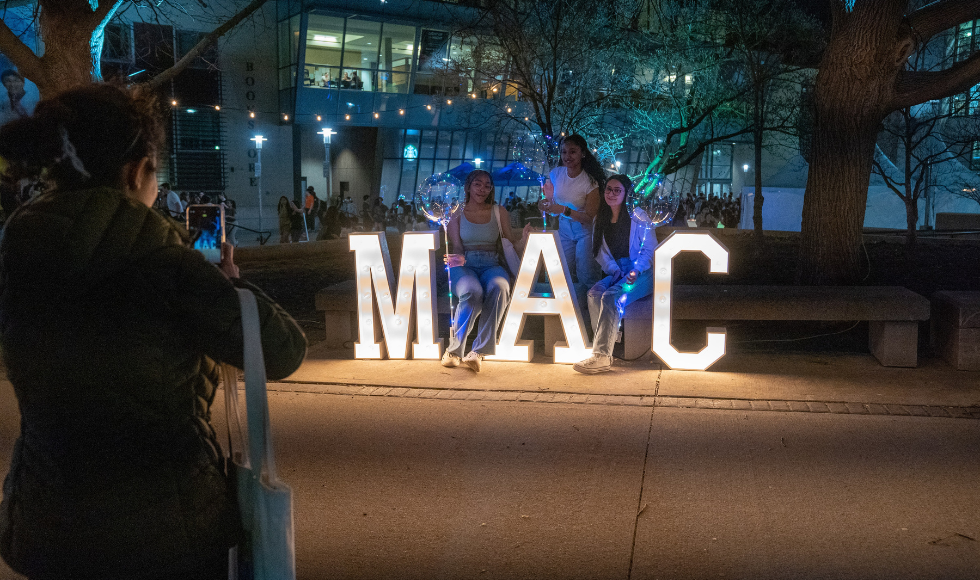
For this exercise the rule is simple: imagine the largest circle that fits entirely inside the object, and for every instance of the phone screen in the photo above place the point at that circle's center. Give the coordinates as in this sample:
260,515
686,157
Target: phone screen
206,225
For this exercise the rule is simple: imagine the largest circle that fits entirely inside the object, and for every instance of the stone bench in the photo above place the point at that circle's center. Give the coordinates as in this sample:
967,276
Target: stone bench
338,302
956,328
893,312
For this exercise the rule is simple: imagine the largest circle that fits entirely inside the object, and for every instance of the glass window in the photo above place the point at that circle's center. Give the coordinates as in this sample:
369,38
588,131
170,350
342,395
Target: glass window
361,44
442,149
118,43
410,170
427,149
324,37
396,58
456,152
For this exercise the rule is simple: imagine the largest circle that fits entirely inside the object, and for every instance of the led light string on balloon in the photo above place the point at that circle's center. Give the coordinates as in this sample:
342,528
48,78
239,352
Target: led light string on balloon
438,200
531,152
650,204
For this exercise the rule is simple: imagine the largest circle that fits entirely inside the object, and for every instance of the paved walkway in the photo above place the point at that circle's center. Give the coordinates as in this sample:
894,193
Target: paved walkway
404,469
799,382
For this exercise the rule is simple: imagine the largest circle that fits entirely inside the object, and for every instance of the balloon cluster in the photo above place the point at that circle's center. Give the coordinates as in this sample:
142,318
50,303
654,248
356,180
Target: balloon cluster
652,202
439,198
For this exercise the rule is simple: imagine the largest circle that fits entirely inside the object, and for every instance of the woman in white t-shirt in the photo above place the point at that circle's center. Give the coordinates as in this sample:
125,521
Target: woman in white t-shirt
573,194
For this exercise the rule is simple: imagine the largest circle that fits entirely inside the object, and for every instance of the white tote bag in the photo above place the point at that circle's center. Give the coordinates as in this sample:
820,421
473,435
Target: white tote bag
513,261
266,504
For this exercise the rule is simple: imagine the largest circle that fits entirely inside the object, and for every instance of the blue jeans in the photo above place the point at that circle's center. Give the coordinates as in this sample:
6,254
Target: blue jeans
603,307
483,289
576,246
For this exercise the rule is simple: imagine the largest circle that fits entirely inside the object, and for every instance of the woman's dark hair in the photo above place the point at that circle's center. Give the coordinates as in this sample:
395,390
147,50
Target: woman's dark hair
603,218
590,164
471,178
84,136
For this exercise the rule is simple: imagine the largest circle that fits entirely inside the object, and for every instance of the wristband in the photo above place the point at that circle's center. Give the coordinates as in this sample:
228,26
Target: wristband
567,212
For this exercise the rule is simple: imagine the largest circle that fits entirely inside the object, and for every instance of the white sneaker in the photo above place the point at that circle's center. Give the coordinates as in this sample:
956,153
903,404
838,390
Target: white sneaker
450,360
597,363
474,360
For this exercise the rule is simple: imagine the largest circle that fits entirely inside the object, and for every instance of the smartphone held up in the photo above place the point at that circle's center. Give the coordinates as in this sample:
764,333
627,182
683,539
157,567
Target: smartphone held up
206,225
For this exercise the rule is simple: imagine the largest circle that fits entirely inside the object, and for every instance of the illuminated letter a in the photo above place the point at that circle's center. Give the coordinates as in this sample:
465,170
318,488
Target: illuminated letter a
543,246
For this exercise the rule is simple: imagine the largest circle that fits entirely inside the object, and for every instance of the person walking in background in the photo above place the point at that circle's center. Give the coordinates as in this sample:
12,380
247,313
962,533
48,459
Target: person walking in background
625,252
479,278
174,207
113,328
230,210
573,194
310,207
288,216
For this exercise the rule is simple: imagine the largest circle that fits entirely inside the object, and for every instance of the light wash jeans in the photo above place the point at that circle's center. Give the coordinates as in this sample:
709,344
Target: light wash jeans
603,308
576,246
482,286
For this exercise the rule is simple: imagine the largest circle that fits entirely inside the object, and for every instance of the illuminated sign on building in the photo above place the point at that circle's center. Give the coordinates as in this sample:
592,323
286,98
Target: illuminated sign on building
410,152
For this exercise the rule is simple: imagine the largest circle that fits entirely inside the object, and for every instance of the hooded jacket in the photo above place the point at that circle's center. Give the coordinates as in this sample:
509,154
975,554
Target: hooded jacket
111,328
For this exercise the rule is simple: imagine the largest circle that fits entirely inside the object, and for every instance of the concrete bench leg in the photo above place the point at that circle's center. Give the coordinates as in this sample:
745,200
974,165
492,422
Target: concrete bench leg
894,344
341,327
637,337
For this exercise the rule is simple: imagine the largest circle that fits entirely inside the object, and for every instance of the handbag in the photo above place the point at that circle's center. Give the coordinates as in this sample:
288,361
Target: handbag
265,503
511,259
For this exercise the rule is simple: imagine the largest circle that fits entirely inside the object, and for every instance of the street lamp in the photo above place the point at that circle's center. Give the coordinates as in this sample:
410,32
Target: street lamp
259,139
327,132
477,162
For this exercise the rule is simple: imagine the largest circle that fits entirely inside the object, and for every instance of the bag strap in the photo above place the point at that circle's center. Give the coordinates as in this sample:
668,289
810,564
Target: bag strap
257,446
233,418
500,228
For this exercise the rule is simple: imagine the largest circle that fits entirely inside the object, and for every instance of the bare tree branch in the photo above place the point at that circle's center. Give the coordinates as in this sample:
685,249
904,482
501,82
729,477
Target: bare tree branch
914,87
936,17
207,42
28,63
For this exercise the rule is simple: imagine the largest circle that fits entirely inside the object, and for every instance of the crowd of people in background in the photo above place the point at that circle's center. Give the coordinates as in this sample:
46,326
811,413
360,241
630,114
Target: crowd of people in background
335,219
708,212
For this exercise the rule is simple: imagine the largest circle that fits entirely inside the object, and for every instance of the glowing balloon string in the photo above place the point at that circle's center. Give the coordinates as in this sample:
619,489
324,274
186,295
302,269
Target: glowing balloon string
449,277
621,303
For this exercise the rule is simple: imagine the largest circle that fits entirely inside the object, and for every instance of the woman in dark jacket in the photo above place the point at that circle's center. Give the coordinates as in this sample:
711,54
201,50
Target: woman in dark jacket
111,330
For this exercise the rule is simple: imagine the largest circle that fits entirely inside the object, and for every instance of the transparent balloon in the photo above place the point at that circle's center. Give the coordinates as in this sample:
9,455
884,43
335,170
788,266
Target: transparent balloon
439,197
653,202
531,151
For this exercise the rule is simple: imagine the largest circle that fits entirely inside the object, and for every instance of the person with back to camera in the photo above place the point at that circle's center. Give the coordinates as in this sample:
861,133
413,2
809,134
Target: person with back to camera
625,252
479,279
112,328
573,194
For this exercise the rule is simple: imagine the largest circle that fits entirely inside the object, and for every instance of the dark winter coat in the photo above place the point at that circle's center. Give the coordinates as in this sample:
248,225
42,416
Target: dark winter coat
111,328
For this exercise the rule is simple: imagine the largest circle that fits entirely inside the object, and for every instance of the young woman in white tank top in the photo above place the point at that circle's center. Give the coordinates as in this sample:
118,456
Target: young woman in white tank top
479,278
573,194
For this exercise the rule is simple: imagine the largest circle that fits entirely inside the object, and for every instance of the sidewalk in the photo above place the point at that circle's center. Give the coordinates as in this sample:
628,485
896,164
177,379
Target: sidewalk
405,469
829,382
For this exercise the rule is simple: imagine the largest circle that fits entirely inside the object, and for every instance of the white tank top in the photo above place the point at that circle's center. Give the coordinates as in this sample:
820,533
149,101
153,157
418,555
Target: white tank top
571,191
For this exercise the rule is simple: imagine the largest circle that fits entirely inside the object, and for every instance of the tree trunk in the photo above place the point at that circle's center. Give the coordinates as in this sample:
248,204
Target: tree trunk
852,94
67,31
759,199
911,218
